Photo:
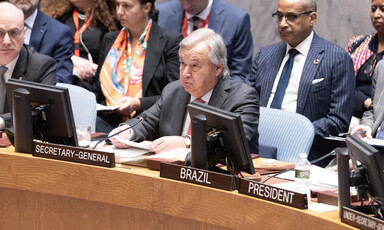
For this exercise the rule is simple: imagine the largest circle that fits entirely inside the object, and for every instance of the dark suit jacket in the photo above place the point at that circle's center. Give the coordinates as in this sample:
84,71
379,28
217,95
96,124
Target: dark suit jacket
161,65
227,20
326,90
166,116
32,66
52,38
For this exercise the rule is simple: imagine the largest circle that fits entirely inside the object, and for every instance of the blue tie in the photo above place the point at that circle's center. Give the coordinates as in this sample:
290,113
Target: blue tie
380,134
196,21
284,79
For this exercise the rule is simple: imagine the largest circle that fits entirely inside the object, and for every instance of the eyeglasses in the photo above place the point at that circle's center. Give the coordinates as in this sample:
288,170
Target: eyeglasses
290,17
371,66
13,34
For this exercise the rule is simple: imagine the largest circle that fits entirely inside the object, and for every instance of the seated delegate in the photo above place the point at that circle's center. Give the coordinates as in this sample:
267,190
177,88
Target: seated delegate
204,76
135,63
49,37
89,21
18,60
366,53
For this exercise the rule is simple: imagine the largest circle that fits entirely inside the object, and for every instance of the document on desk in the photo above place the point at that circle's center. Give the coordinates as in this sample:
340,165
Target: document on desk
178,154
132,155
139,156
125,153
139,145
321,178
374,141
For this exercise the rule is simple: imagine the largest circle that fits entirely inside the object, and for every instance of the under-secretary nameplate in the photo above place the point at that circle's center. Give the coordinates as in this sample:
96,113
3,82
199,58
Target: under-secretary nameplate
74,154
274,194
360,220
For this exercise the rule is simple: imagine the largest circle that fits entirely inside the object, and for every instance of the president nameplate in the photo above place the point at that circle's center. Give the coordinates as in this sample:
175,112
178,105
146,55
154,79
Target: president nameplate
274,194
198,176
74,154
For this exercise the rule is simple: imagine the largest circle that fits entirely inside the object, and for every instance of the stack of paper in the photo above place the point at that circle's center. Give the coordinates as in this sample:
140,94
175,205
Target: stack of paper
138,153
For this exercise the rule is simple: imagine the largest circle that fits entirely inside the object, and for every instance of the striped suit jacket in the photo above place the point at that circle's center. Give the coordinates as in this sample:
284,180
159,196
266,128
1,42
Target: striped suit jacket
326,91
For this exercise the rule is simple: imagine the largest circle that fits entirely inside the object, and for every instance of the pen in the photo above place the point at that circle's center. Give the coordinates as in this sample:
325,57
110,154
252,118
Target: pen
347,134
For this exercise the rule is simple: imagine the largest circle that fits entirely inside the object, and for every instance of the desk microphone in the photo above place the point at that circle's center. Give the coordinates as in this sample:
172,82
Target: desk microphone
140,119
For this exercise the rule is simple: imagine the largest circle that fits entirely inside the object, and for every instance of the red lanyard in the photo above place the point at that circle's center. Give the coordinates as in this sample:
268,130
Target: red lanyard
185,24
78,32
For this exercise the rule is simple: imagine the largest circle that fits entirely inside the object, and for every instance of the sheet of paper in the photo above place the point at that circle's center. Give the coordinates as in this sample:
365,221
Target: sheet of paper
101,107
176,154
126,153
320,177
139,156
374,141
140,145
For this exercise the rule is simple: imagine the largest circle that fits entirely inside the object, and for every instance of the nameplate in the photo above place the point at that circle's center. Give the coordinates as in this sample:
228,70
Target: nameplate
274,194
198,176
360,220
74,154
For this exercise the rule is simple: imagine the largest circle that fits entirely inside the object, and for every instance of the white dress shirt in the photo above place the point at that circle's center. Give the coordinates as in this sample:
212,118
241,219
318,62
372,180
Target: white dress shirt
203,15
28,22
290,98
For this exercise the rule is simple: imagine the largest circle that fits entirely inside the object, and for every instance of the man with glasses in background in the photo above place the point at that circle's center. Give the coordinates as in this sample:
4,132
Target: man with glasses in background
49,37
307,75
231,22
18,60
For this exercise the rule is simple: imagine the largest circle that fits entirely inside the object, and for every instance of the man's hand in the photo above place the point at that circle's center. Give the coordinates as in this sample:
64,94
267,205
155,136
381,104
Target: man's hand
124,135
128,105
83,68
164,144
362,128
367,103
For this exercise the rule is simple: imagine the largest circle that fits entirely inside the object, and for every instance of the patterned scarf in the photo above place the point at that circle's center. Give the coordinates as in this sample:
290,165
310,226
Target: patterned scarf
122,71
358,48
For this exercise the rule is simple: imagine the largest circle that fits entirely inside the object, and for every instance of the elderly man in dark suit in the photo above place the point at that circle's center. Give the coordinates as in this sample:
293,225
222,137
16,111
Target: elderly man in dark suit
48,36
231,22
204,75
306,74
17,60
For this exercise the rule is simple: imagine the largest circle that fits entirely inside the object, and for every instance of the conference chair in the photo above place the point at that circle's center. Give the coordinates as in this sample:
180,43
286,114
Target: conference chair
291,133
83,105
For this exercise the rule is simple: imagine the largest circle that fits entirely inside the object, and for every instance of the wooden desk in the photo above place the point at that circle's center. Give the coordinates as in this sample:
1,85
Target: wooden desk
38,193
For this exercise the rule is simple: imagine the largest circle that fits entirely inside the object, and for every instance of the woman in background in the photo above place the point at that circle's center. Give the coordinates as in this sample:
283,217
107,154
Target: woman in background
135,63
89,21
366,51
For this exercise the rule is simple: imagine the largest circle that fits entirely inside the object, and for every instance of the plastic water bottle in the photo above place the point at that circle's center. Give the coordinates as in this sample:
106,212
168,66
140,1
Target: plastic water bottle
302,175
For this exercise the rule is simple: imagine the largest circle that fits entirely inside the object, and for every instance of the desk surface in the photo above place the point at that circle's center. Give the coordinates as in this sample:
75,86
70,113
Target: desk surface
38,193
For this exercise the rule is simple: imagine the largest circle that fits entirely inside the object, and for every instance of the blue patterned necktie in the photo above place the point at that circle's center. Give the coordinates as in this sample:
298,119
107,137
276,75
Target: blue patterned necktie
284,79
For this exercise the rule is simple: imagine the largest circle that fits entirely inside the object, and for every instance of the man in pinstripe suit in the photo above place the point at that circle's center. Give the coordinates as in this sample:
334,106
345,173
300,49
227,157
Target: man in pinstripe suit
321,84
